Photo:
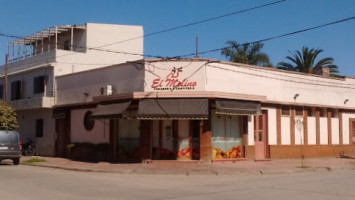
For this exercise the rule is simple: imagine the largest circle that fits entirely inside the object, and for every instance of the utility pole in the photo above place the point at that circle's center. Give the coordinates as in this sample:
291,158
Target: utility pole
196,55
6,62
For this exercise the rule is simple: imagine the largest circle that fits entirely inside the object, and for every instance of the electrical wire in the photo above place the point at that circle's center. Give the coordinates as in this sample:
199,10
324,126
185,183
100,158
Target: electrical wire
260,69
10,35
280,79
198,22
273,37
162,31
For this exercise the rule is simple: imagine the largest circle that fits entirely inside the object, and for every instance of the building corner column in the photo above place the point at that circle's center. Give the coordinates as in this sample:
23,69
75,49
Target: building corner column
317,127
329,120
292,127
278,125
205,141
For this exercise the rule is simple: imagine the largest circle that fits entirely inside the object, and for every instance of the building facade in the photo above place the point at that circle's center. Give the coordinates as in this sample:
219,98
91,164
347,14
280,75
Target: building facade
209,110
37,60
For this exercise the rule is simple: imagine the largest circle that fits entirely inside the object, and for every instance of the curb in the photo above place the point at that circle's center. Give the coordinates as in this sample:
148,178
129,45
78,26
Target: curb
189,173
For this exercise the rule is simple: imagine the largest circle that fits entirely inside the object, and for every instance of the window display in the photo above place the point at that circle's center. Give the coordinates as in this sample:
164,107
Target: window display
226,136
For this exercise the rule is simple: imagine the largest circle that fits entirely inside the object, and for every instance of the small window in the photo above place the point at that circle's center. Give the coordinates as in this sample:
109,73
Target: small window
88,122
310,112
16,88
66,45
285,110
39,84
299,111
39,127
1,92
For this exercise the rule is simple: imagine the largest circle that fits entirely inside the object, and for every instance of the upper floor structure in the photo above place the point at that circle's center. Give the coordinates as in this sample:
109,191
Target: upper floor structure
195,78
37,59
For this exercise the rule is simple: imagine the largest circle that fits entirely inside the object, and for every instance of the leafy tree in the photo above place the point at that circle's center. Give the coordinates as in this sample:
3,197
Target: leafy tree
305,61
246,53
8,120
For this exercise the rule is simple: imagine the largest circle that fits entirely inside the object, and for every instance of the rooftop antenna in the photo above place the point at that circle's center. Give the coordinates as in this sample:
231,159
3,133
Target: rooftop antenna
196,55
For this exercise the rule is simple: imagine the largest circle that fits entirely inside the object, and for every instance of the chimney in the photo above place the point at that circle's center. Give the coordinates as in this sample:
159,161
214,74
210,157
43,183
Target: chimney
323,71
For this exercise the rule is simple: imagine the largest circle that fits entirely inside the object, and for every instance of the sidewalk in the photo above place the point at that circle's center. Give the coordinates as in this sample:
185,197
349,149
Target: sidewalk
193,168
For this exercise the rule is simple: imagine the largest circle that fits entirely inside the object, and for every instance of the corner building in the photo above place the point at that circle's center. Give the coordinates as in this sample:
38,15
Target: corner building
206,110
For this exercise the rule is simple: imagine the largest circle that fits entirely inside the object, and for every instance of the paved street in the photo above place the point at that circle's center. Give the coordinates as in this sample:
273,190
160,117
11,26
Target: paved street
28,182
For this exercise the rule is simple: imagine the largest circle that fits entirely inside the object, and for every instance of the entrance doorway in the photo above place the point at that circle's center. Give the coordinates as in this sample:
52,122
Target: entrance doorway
352,131
260,136
63,136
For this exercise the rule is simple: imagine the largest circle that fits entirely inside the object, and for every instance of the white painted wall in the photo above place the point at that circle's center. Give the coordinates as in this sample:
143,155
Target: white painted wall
27,129
285,130
335,130
83,86
250,130
191,72
311,130
272,132
98,36
278,85
299,133
346,128
99,134
27,82
323,125
105,37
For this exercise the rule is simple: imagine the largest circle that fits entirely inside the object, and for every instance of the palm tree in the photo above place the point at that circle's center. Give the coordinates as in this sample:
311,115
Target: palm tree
305,62
249,53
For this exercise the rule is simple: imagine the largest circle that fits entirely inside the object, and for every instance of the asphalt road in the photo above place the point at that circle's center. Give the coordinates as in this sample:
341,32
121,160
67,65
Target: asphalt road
28,182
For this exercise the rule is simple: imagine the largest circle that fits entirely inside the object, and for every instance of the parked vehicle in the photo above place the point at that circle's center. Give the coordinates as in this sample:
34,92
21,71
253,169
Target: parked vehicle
28,148
10,146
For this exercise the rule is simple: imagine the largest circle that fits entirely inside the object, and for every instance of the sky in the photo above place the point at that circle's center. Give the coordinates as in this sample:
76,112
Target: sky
23,17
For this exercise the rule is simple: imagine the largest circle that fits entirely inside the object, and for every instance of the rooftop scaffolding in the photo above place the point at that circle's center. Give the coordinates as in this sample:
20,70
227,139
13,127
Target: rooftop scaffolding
42,41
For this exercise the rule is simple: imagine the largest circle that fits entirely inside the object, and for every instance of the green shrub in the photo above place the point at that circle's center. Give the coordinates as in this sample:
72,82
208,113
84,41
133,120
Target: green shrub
8,120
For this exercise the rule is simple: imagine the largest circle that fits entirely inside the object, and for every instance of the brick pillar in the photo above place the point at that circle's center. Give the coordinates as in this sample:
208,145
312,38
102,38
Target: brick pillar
112,141
278,124
329,115
145,140
317,126
305,127
205,141
292,125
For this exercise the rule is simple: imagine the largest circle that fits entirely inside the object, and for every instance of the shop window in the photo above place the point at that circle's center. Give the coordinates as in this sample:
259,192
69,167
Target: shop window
285,110
39,127
310,112
226,137
299,111
39,84
129,139
16,88
1,92
88,122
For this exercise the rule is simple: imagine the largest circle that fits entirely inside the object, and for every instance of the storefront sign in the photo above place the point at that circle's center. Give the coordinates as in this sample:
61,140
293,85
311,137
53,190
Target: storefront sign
173,82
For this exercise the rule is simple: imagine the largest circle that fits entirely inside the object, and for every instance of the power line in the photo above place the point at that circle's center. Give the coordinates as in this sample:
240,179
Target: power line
162,31
272,38
280,79
262,40
198,22
85,48
10,35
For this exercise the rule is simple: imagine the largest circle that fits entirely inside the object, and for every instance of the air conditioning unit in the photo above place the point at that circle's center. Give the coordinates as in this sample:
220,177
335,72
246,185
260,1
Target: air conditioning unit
106,90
